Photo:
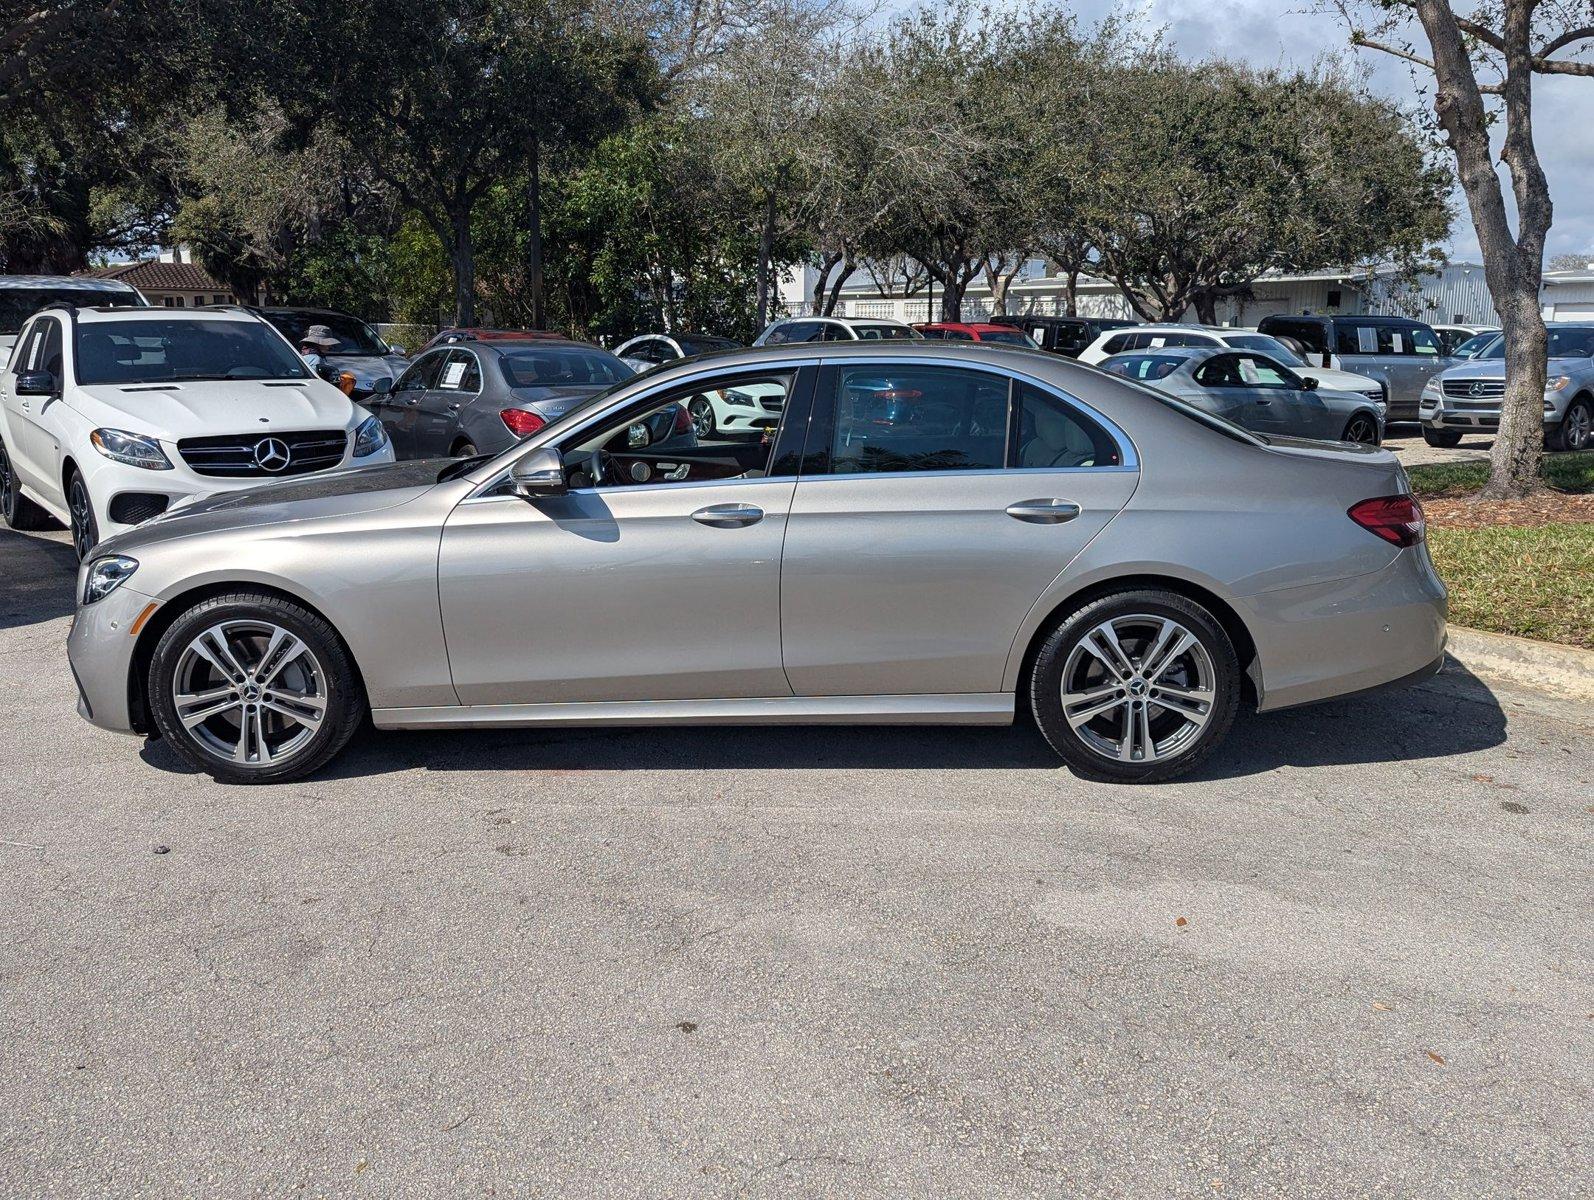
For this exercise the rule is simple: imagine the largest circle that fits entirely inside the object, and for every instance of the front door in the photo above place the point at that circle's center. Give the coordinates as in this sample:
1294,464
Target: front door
935,505
657,577
400,409
436,427
31,446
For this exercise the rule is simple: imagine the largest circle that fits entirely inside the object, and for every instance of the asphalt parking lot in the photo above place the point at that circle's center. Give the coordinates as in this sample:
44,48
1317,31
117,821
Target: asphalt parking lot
1350,957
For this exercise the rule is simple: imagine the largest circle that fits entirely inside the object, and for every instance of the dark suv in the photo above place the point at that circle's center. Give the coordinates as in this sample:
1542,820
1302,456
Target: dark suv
1062,335
360,350
1399,352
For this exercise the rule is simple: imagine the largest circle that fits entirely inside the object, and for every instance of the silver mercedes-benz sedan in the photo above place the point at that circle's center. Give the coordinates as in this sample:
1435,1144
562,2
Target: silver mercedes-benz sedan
935,533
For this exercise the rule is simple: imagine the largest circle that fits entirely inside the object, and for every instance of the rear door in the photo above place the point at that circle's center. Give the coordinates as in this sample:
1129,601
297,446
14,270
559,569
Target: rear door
934,506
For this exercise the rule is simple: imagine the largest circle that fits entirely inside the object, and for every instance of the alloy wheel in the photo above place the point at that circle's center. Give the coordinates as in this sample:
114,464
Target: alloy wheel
250,692
1138,688
702,413
84,535
1579,425
1362,431
8,486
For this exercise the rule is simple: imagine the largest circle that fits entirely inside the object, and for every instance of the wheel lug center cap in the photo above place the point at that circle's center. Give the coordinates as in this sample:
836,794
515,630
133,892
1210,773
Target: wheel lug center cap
1138,687
251,692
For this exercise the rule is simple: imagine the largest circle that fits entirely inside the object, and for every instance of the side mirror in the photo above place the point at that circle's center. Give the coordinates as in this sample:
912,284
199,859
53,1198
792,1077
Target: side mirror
638,436
1309,383
540,473
36,383
398,350
382,386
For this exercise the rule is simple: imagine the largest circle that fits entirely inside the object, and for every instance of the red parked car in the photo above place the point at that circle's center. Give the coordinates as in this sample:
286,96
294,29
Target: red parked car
974,331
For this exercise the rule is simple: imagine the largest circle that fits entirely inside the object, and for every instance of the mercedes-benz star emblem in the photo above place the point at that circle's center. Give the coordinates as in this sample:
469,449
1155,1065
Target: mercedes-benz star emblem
271,454
1476,389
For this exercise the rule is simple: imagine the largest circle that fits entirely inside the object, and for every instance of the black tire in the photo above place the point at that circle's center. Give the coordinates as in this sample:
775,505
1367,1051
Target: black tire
329,665
1576,430
465,448
1140,609
1445,439
702,414
1362,429
17,510
85,528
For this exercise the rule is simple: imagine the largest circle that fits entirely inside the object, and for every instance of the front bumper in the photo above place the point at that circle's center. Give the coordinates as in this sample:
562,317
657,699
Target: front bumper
1463,414
100,650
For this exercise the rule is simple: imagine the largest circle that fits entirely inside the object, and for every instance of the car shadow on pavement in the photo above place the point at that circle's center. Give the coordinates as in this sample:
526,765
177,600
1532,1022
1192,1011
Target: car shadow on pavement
1454,713
37,579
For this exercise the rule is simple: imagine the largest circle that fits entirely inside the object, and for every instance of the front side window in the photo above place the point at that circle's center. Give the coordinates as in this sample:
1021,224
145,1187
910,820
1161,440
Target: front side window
50,353
1219,371
658,443
794,331
172,350
1258,372
422,373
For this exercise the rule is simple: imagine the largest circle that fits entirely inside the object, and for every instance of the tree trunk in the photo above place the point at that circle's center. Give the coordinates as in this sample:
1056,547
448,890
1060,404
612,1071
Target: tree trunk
1071,293
827,264
1512,265
847,265
766,249
464,262
1206,306
534,269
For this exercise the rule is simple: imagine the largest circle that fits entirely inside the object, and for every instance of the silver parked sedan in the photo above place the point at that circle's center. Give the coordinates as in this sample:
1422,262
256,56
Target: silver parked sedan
1251,389
939,533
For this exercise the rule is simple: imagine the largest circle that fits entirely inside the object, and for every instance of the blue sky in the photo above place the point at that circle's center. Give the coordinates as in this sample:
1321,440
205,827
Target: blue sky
1280,33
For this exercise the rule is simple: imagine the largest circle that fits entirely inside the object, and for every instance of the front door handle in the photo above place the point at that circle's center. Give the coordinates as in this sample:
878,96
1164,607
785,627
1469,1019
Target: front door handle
1043,512
1263,401
728,516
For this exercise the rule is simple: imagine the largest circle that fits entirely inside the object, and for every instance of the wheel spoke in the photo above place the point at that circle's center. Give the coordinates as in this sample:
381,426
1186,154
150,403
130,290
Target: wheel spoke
1194,704
213,648
300,710
1081,707
281,651
1154,671
195,708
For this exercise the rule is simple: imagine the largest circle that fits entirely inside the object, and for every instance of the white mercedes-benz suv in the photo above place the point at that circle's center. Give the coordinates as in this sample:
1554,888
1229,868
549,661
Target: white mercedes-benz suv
109,416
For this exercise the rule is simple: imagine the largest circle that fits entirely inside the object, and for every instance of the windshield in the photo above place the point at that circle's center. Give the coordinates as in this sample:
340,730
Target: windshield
165,351
352,335
1008,337
1573,341
883,332
1474,345
18,304
1269,346
561,366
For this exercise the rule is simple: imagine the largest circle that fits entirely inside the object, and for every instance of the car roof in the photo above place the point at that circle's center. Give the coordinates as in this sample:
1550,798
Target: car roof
287,309
967,326
1171,352
162,313
77,282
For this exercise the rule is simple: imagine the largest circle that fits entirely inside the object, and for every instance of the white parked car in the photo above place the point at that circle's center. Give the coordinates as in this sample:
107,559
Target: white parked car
1157,337
108,416
835,329
23,295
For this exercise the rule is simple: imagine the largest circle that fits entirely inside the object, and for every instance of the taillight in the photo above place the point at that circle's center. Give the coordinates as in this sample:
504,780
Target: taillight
521,423
683,420
1396,519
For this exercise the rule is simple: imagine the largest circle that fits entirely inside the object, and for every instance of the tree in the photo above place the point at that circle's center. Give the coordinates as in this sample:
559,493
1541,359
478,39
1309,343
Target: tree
1579,261
1509,41
439,101
1211,174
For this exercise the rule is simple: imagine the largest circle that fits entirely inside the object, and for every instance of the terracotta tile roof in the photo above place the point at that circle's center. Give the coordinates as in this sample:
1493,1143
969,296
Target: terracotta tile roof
154,275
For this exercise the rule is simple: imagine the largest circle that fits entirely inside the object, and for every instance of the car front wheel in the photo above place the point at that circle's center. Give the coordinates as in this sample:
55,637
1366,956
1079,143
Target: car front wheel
1576,430
253,688
1445,439
17,510
85,529
1136,687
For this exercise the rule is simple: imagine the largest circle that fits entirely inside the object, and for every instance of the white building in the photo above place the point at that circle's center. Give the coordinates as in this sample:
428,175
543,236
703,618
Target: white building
1454,295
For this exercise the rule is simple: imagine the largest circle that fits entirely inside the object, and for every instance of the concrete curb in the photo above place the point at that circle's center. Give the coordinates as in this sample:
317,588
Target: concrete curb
1546,666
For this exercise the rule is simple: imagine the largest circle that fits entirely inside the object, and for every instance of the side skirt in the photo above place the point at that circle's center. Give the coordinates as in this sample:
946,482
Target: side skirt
975,708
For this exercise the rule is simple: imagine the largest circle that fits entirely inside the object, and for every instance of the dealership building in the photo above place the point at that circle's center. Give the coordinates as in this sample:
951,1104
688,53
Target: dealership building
1456,294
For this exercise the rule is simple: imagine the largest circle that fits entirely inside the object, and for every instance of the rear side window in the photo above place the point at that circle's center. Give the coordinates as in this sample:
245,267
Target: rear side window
891,419
1118,344
1143,366
794,331
1308,333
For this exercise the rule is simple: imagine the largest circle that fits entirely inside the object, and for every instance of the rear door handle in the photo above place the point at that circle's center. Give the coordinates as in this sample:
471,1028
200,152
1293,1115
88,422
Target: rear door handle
728,516
1043,512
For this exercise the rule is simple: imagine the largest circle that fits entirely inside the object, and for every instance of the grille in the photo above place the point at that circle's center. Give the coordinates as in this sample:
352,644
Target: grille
1462,388
1470,405
772,403
248,456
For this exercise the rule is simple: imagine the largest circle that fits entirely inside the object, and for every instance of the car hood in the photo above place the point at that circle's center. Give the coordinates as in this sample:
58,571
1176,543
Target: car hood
333,494
204,407
368,368
1494,368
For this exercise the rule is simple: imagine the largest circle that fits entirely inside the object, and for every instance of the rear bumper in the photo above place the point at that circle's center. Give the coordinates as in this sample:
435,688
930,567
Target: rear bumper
100,650
1353,635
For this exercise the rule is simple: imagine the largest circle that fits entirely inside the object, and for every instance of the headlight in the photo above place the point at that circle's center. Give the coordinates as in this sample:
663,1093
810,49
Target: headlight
1556,382
370,437
106,575
1432,388
739,399
131,449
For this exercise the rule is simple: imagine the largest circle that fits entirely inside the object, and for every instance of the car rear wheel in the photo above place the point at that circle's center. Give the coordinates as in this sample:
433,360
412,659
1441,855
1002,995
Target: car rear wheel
702,413
1361,429
1135,687
1446,439
85,529
465,448
16,509
1576,430
252,688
